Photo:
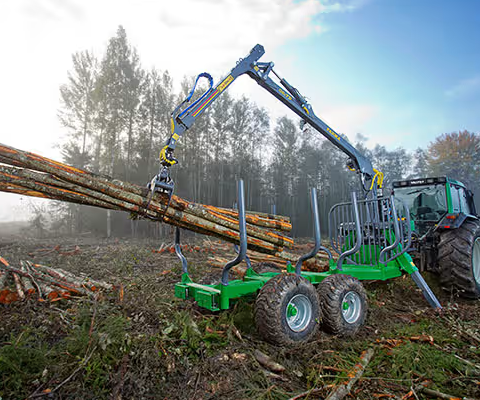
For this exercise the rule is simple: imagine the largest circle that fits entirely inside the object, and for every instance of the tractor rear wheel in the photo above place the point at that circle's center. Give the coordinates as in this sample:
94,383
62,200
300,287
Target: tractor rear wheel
459,259
343,301
287,310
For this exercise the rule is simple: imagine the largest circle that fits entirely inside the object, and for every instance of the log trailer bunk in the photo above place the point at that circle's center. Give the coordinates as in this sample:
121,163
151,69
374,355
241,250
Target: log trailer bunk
371,234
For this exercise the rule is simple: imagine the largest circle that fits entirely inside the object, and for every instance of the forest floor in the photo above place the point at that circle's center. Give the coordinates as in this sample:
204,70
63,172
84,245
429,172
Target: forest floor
151,345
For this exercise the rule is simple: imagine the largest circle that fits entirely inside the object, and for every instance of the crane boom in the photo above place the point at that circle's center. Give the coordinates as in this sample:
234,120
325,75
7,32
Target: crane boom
183,118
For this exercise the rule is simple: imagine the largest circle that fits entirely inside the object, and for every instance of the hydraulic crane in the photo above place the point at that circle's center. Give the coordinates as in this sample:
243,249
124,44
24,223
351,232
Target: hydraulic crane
185,114
371,236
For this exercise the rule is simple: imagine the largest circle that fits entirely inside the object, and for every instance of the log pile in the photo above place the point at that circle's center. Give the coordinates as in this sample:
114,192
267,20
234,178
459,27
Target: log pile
33,175
30,174
44,283
223,253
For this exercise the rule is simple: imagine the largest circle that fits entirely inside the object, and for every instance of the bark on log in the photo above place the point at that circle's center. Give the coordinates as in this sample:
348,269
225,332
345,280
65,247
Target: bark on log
256,219
34,175
262,215
223,227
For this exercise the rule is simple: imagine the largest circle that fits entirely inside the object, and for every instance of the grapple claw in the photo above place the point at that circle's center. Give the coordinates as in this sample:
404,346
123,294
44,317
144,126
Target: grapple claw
161,183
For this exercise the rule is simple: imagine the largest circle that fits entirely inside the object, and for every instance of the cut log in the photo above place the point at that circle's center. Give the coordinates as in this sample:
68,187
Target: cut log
33,175
41,177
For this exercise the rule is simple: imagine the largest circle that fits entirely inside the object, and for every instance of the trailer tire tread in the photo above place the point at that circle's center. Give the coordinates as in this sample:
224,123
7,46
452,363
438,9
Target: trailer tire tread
270,308
331,292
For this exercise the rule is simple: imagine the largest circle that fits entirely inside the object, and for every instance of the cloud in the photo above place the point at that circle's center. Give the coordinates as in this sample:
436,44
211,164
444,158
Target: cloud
53,10
465,88
185,37
344,5
351,119
215,33
178,36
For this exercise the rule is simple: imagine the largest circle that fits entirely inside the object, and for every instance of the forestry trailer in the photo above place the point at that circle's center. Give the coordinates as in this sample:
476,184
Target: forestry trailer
370,233
445,231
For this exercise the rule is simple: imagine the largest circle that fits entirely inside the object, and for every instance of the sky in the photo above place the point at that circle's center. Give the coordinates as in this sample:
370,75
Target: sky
400,72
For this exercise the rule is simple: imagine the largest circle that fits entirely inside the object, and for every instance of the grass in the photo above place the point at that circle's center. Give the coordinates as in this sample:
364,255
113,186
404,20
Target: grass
154,346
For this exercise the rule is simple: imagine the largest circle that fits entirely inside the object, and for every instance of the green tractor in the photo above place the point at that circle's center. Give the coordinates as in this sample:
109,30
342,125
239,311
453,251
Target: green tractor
445,231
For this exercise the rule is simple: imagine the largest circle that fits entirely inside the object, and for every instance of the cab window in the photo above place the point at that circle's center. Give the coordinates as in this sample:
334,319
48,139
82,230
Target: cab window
454,190
427,203
464,202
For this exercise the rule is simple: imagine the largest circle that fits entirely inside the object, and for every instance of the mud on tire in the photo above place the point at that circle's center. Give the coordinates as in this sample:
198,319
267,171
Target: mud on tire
456,259
343,301
287,310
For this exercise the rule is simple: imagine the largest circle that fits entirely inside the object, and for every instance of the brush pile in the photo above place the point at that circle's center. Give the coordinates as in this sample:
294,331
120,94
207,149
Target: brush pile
44,283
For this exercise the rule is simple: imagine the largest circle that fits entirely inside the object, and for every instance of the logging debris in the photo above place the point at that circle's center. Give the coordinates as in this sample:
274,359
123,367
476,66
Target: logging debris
342,390
29,280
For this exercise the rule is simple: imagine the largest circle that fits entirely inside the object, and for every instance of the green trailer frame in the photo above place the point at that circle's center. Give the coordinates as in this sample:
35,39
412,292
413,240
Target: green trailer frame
218,297
221,296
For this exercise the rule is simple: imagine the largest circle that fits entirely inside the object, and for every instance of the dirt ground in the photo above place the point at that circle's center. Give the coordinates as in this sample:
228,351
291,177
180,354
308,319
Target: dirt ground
151,345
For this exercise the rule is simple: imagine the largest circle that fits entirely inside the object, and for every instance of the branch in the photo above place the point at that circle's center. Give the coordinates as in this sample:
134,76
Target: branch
342,390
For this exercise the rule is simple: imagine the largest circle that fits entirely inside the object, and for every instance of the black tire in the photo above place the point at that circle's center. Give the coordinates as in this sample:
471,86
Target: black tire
272,307
455,260
334,292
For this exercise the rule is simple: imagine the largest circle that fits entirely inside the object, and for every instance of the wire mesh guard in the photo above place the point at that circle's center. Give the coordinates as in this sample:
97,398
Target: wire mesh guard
369,232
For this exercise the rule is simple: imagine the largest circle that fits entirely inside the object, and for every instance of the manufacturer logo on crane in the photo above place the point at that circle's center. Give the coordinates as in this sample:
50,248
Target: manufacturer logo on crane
284,94
225,83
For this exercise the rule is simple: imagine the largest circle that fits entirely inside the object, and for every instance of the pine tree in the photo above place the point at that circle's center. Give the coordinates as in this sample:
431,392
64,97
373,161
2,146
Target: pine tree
118,95
284,167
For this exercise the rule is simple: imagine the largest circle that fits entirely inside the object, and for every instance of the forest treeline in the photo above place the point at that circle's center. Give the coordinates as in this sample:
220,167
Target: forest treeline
117,118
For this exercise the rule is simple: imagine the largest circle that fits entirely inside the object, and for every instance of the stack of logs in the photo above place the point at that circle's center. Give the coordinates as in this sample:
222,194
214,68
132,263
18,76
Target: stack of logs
221,252
44,283
29,174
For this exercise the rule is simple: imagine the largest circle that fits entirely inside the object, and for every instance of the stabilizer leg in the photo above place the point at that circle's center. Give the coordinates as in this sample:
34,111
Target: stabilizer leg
427,292
178,251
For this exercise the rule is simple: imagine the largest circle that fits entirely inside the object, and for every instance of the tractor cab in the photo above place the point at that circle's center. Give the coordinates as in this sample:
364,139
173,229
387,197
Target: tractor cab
435,203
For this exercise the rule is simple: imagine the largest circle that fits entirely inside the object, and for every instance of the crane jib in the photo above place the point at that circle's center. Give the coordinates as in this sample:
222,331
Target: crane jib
288,95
